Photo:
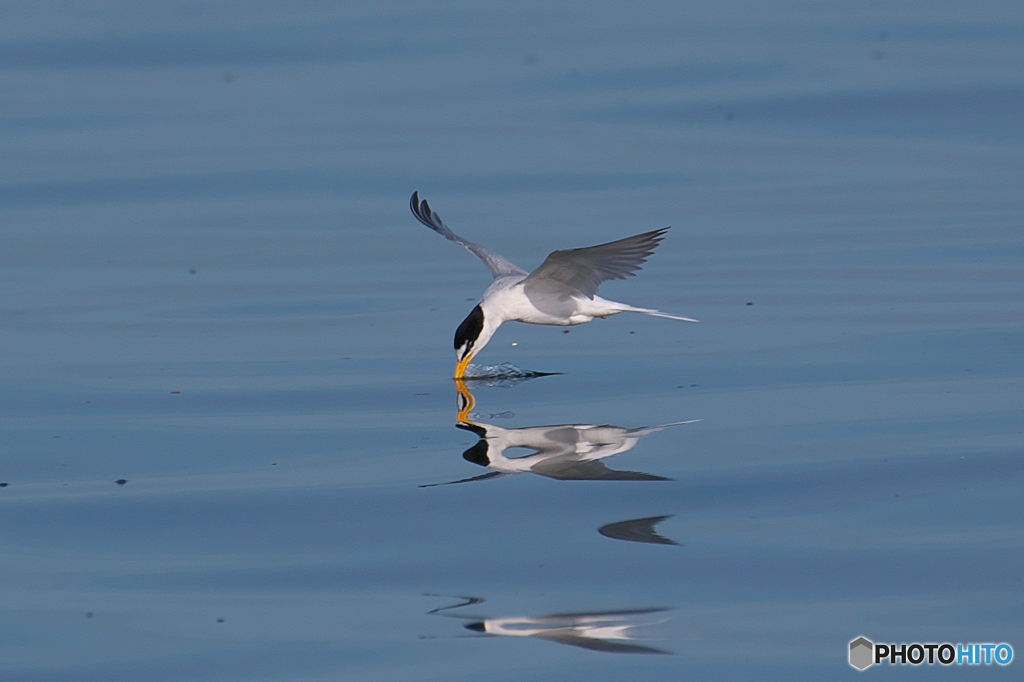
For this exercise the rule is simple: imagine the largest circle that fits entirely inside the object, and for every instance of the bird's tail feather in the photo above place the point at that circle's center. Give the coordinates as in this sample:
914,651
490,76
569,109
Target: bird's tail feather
658,313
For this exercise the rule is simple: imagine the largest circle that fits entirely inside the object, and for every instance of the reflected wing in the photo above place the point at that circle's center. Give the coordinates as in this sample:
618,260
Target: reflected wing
581,271
481,477
612,647
637,530
596,615
495,263
589,470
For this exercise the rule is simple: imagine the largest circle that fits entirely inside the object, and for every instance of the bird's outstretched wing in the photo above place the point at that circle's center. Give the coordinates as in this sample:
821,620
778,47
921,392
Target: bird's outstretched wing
496,264
595,644
588,470
567,272
637,530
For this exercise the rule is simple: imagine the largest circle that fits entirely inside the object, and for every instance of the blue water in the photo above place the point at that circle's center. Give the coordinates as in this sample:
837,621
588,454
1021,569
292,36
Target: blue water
227,424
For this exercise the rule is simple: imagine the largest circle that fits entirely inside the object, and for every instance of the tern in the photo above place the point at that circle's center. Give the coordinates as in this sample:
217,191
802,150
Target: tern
562,291
563,452
610,631
598,631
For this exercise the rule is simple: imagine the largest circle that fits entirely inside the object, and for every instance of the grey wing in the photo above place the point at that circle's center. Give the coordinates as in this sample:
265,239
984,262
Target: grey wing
496,264
637,530
594,644
565,273
588,470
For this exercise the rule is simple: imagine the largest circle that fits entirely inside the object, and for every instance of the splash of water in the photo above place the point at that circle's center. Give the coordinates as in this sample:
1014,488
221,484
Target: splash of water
506,374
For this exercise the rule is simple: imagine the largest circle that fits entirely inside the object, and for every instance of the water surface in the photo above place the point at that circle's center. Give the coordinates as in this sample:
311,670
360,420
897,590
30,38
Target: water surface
229,433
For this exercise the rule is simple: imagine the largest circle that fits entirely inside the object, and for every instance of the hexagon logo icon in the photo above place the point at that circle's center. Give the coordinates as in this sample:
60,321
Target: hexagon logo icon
862,653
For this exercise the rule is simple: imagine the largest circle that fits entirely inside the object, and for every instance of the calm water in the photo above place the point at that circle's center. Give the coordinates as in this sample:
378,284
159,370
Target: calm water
227,426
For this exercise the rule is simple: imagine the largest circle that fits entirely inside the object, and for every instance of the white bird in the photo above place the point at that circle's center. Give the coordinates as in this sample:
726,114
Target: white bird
564,452
609,631
562,291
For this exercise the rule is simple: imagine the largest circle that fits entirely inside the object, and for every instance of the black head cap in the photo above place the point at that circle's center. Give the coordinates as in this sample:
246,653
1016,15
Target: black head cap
477,454
469,331
475,428
478,626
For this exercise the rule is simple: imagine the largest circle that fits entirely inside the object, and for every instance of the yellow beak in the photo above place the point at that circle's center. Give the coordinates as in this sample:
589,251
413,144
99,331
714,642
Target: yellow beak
465,400
460,367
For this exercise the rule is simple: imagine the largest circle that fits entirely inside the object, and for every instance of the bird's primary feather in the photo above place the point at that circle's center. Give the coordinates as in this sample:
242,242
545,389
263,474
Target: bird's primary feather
498,265
581,271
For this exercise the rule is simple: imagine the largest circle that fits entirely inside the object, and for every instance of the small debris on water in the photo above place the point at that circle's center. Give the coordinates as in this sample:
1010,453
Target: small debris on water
121,481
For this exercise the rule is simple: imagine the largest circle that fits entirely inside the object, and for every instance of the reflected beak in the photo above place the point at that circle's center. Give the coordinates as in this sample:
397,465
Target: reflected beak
465,401
460,367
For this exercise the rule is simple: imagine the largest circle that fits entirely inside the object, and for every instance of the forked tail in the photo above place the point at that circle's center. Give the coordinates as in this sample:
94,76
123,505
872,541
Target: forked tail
658,313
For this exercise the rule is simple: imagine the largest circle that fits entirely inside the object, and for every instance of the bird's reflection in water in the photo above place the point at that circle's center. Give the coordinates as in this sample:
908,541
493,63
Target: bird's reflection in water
637,530
565,452
608,631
